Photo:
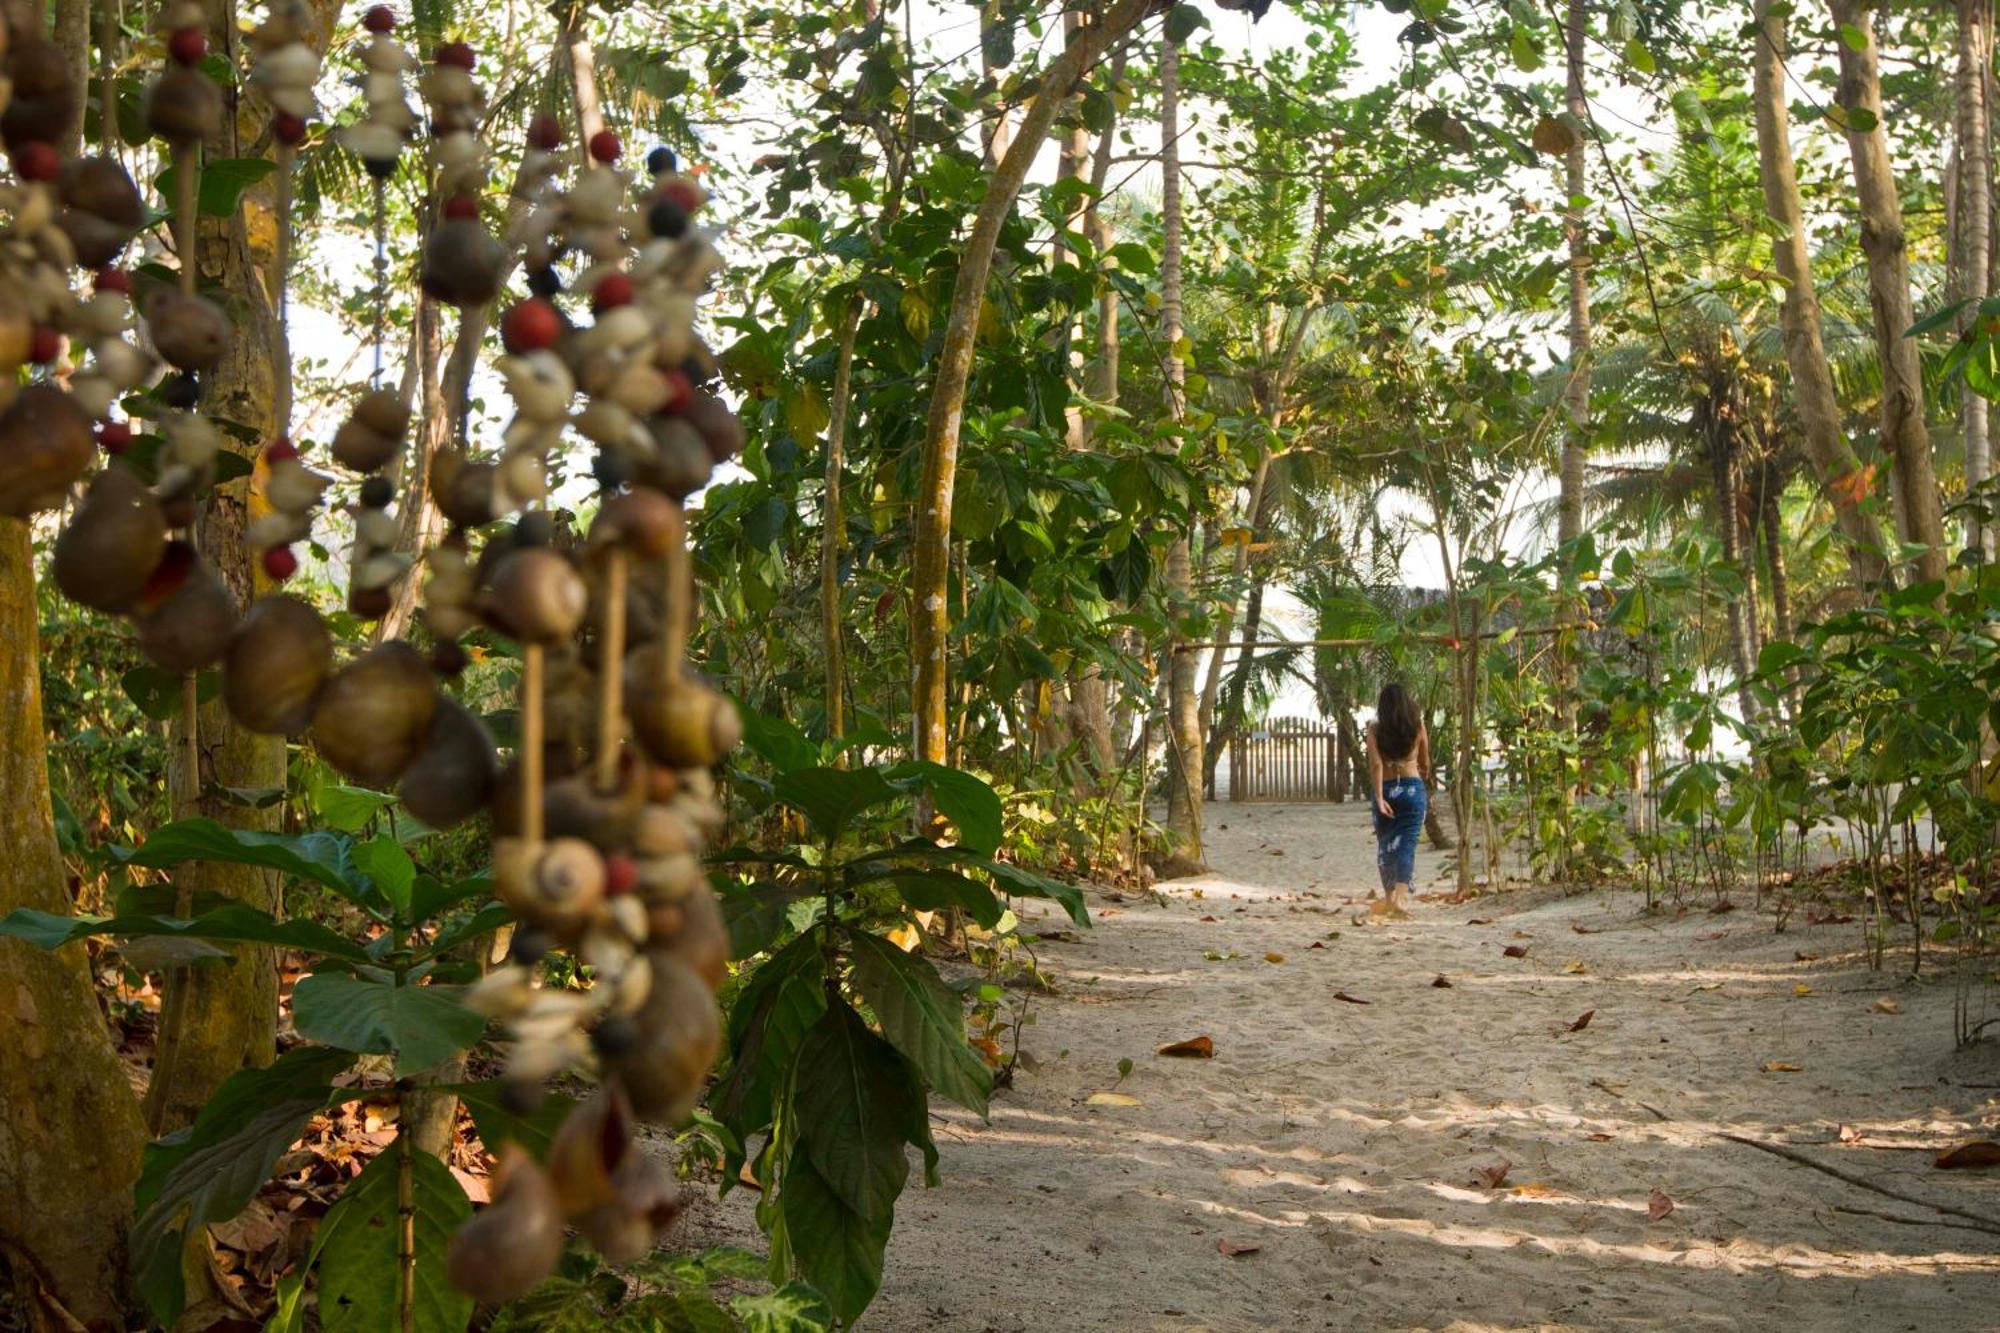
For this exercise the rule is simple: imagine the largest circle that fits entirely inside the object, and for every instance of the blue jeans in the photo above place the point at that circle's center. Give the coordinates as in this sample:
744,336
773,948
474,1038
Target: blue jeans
1397,835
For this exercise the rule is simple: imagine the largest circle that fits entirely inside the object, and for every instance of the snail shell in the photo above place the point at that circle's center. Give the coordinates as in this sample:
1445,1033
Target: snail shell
375,713
685,724
190,331
183,104
102,210
681,1031
507,1248
463,265
276,666
113,543
41,104
454,775
536,595
45,445
187,615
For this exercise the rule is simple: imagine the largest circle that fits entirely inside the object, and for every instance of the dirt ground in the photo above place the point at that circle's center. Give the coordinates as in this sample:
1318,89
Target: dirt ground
1353,1145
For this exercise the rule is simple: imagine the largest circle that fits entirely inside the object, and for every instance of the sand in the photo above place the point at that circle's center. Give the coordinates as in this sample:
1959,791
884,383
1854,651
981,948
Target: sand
1346,1142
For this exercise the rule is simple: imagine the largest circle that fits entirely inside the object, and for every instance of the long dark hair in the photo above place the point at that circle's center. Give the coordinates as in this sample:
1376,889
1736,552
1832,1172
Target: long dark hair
1396,722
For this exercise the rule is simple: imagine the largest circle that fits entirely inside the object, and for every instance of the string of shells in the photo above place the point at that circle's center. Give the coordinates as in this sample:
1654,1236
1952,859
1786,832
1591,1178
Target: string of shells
601,818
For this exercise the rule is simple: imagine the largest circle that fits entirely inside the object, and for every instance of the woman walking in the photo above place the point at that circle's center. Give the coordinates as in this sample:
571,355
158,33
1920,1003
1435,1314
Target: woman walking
1399,754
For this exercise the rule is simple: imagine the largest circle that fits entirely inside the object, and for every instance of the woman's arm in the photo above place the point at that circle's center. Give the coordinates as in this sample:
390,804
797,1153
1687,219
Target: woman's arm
1424,753
1375,772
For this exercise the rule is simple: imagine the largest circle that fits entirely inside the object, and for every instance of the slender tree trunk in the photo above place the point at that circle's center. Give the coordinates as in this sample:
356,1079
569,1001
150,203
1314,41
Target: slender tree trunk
1576,390
1728,524
436,420
1842,480
833,522
1184,733
1773,525
1905,438
1239,568
581,59
1974,195
997,134
929,610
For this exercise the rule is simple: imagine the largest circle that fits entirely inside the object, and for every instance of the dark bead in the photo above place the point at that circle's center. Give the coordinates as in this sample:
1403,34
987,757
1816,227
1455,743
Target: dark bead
381,168
612,470
530,945
182,391
544,281
697,371
535,529
369,603
661,160
521,1097
448,658
667,219
377,492
615,1036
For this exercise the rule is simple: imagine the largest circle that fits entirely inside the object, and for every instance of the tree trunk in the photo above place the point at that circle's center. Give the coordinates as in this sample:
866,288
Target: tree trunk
437,420
1841,477
1905,438
833,523
1728,523
1773,524
1974,197
1184,733
930,620
1576,390
70,1132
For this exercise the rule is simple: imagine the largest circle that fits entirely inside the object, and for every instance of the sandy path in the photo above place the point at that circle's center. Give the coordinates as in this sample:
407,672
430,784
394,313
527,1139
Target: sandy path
1343,1139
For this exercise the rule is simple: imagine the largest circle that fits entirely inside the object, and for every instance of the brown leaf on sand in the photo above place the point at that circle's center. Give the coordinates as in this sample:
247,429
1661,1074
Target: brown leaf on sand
1600,1137
1586,930
1480,921
1236,1249
1781,1067
1441,982
1659,1205
1710,936
1345,998
1969,1156
1208,918
1515,951
1194,1048
1492,1177
1317,944
1886,1005
1803,957
1274,958
1582,1021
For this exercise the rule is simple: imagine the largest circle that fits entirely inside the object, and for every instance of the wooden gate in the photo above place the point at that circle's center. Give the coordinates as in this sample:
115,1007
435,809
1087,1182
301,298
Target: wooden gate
1286,759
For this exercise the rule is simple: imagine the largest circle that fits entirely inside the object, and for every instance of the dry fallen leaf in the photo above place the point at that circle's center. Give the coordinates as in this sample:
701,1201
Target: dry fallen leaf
1575,968
1802,989
1274,958
1234,1249
1317,944
1849,1134
1492,1177
1709,937
1515,951
1599,1137
1659,1205
1803,957
1534,1189
1781,1067
1586,930
1441,982
1480,921
1969,1156
1344,997
1887,1005
1582,1021
1194,1048
1111,1099
1208,918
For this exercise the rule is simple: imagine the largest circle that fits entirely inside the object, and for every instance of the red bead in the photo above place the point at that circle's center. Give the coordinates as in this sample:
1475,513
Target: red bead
461,206
604,146
114,280
114,437
37,161
455,53
379,19
621,874
612,290
280,449
684,193
681,388
531,326
44,345
288,129
280,564
187,46
545,132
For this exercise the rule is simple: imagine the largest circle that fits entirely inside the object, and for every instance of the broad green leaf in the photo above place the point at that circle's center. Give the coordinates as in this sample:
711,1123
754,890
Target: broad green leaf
792,1308
1012,878
360,1276
1639,57
497,1124
1853,37
211,1170
323,858
768,1022
220,185
385,862
423,1026
472,925
232,923
964,799
838,1249
430,896
348,808
158,694
922,1017
776,741
831,798
756,915
852,1105
941,890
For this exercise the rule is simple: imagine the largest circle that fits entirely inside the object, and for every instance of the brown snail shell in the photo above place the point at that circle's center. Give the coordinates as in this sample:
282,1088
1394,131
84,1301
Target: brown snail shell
190,626
684,724
113,543
680,1033
45,445
659,831
643,521
720,428
454,774
514,862
594,1141
183,104
375,713
507,1248
645,1202
190,331
384,412
463,265
276,666
536,596
679,463
102,210
691,929
17,334
462,489
41,105
569,882
373,433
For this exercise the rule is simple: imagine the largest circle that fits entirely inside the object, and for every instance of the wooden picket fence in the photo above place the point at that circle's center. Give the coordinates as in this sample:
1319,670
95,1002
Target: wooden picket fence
1286,759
